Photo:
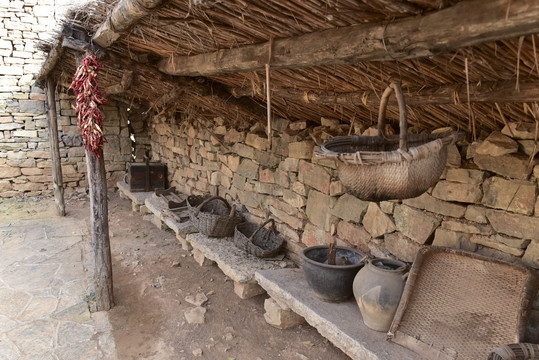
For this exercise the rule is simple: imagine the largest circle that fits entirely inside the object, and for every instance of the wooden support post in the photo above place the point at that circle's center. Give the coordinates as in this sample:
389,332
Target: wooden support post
99,216
57,181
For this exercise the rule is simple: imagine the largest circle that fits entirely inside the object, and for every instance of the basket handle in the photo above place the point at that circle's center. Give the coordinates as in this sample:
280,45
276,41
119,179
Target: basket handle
403,124
199,207
261,226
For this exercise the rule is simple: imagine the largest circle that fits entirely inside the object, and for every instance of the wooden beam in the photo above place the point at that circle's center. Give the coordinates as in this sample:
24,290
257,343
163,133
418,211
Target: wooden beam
83,46
464,24
52,58
125,14
487,92
57,181
99,219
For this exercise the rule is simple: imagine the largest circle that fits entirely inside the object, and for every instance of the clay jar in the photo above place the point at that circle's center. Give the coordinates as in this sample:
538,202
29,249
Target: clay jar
378,288
331,283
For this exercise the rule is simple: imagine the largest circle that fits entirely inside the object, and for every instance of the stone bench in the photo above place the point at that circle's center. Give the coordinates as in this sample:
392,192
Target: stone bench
137,198
233,262
163,219
340,323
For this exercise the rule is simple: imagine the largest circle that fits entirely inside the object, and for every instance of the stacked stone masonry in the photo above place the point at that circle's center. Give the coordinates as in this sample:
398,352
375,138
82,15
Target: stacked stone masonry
477,205
25,166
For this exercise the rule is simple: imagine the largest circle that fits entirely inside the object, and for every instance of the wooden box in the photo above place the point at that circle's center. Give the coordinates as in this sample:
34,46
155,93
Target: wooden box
146,176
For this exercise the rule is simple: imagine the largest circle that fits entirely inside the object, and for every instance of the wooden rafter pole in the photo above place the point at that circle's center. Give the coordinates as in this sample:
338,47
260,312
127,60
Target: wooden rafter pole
57,181
99,221
487,92
125,14
467,23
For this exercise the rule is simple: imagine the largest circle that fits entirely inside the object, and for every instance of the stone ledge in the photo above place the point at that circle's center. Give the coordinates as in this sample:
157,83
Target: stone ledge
233,262
156,204
340,323
137,197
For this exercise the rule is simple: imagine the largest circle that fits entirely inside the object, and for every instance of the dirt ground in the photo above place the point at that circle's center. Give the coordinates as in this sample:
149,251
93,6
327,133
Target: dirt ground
152,277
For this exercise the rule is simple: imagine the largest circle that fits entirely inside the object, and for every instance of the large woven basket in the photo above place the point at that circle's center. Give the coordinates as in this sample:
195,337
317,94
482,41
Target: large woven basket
257,240
213,216
376,168
460,305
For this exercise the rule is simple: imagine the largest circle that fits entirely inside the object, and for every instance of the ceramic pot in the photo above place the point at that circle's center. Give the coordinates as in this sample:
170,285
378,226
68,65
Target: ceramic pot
377,289
331,283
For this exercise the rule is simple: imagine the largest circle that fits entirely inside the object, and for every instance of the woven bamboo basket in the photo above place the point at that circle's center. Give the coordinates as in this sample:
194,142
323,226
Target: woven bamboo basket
460,305
213,216
376,168
520,351
257,240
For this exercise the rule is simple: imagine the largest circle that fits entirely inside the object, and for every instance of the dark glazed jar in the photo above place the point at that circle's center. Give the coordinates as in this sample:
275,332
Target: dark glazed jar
331,283
378,288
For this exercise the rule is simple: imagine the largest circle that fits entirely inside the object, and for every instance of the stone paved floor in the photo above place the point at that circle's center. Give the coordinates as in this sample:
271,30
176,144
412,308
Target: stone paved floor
43,285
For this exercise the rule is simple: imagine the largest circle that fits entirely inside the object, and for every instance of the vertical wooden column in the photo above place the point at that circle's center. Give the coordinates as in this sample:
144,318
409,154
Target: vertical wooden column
99,216
57,181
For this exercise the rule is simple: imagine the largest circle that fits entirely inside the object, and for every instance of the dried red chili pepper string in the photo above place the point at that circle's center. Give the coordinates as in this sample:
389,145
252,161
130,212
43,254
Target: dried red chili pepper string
88,99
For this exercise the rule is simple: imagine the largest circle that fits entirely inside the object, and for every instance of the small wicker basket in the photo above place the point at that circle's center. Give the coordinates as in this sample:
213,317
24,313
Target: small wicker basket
257,240
212,217
376,168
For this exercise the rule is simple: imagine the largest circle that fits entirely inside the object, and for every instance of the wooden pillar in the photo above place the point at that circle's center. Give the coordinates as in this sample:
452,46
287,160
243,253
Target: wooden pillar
99,216
57,181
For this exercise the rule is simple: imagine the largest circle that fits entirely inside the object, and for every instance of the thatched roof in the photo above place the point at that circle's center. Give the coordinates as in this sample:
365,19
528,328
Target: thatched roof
440,84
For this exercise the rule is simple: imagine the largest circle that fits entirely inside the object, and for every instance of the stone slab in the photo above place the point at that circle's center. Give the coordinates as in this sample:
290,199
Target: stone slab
156,204
233,262
137,197
340,323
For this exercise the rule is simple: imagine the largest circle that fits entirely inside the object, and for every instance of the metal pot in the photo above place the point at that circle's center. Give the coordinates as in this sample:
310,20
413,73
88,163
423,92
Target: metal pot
331,283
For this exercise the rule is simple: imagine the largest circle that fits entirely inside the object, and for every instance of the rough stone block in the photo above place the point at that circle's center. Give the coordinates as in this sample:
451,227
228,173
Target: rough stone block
299,188
280,316
9,172
313,235
234,136
266,175
520,226
453,239
453,156
186,245
450,191
401,246
354,234
31,106
497,144
476,214
246,290
376,222
292,220
510,195
466,176
349,208
531,256
248,169
244,150
488,242
510,241
521,130
415,224
201,259
301,150
25,133
429,203
257,141
514,165
294,199
317,206
469,228
315,176
289,164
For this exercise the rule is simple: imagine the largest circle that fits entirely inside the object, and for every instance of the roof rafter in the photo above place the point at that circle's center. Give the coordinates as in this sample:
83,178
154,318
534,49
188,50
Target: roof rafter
464,24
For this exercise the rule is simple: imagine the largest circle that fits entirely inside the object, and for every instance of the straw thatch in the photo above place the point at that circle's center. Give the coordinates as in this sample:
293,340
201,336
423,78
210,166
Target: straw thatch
190,27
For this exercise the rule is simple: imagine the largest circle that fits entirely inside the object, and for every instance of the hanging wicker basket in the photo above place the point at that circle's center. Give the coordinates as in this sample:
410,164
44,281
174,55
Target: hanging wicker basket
213,216
257,240
376,168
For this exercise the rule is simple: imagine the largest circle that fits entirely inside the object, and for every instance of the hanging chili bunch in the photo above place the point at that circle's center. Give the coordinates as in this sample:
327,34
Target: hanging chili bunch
88,99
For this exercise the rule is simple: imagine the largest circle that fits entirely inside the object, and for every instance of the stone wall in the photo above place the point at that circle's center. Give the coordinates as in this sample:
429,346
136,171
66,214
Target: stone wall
483,203
25,167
